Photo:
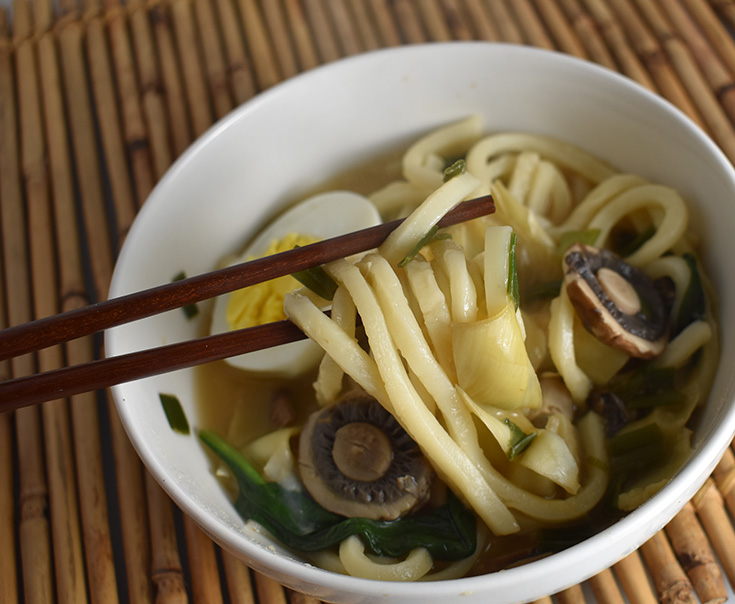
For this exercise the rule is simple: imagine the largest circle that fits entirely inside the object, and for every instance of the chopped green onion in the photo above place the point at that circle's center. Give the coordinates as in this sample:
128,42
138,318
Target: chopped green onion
694,303
190,310
644,379
458,168
174,413
317,280
637,241
570,238
638,449
299,522
513,288
544,291
519,440
430,237
658,399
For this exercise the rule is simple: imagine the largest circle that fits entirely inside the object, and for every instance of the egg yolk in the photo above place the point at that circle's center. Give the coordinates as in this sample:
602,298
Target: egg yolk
263,303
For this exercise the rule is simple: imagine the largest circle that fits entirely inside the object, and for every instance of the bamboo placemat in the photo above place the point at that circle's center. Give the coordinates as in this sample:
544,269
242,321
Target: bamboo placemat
97,99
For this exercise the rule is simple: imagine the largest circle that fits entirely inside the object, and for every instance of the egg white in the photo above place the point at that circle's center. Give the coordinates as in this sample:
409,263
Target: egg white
322,216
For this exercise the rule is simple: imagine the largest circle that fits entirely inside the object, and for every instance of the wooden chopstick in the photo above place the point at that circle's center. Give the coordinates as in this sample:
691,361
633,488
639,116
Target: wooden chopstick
41,333
95,375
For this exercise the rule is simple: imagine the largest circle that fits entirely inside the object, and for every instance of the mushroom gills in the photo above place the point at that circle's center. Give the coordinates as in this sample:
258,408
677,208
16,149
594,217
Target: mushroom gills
616,302
356,460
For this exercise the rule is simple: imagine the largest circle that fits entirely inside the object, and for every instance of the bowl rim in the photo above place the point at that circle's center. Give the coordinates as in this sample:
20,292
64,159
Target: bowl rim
642,521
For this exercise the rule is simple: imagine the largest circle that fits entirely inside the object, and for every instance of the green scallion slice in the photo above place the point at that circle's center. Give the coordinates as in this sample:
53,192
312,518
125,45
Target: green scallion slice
513,288
519,440
430,237
190,310
174,413
569,239
458,168
694,302
317,280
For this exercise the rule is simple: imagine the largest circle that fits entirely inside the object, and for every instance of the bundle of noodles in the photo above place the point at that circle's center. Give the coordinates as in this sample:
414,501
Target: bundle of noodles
479,346
446,344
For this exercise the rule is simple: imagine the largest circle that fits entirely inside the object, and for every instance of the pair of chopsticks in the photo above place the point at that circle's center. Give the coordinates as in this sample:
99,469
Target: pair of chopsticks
99,374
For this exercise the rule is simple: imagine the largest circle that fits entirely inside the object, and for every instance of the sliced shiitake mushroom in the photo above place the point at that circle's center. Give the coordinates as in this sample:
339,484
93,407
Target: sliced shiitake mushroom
615,301
356,460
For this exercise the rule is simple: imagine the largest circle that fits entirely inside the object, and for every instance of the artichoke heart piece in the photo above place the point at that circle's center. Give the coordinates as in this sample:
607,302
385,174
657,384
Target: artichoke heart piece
492,364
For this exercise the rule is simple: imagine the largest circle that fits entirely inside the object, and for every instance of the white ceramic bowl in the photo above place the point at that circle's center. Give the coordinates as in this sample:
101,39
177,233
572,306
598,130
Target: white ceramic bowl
299,133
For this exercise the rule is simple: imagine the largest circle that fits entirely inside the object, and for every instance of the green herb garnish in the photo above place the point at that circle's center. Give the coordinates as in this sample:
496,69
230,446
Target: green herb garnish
430,237
519,440
568,239
694,303
174,413
297,521
637,450
317,280
458,168
190,310
644,379
513,288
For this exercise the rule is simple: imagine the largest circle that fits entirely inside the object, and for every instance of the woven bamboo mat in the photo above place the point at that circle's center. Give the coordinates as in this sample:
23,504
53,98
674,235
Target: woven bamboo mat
96,100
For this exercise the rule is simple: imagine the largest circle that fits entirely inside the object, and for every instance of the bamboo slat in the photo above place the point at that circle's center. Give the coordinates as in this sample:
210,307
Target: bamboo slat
101,575
704,99
532,27
32,496
305,50
714,30
671,583
8,561
654,58
180,125
711,511
166,571
61,475
635,580
561,29
605,588
346,28
98,97
385,24
690,543
188,47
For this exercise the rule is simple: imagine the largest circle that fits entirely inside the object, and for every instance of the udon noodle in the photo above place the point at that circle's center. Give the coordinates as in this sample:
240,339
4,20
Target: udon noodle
530,355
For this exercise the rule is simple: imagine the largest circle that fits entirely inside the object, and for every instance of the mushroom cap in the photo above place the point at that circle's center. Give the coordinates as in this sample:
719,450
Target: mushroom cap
615,301
356,460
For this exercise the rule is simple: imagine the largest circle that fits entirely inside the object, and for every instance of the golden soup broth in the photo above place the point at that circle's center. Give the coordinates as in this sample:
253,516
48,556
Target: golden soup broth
238,405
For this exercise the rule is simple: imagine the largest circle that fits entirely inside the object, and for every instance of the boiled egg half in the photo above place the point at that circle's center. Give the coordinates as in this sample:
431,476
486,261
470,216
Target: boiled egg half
319,217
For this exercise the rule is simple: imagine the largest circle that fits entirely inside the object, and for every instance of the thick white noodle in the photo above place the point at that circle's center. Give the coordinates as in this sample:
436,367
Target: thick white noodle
419,165
357,563
328,384
685,344
563,154
669,230
523,174
676,269
403,239
397,199
435,311
336,343
447,457
561,348
451,262
550,195
596,199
